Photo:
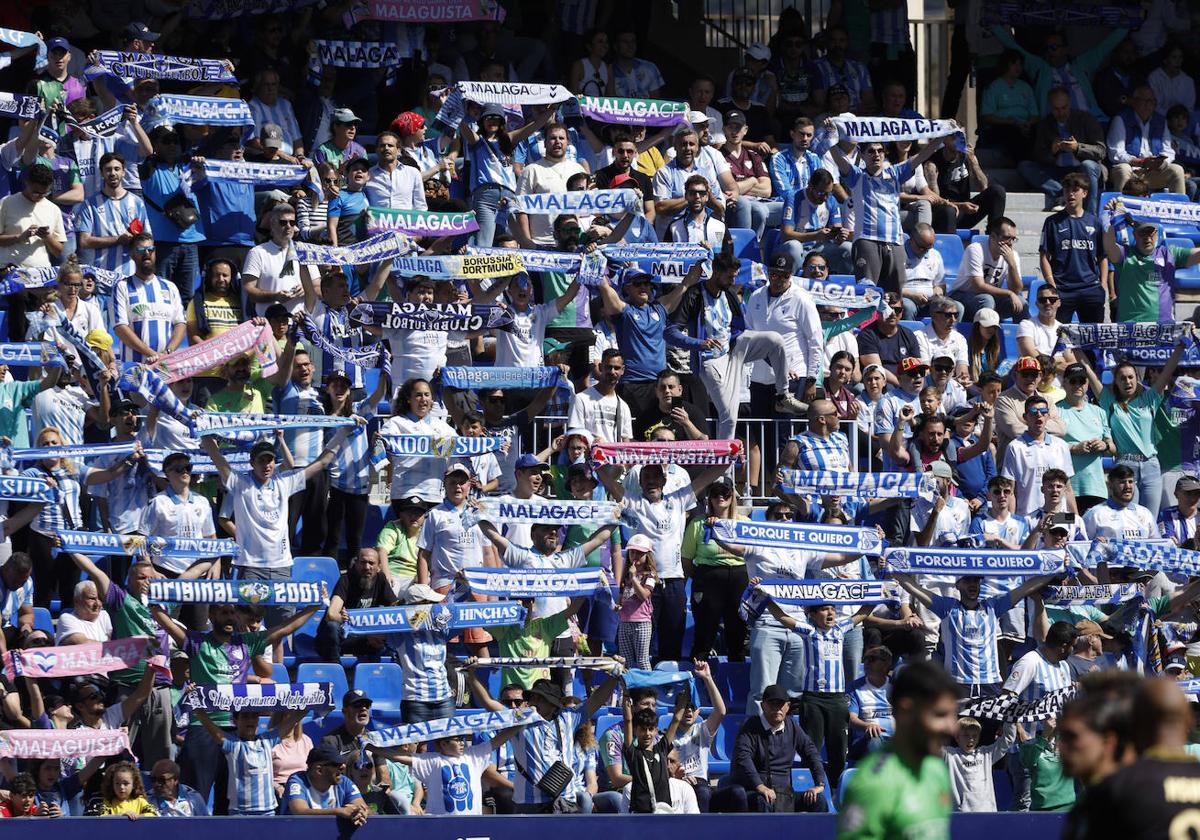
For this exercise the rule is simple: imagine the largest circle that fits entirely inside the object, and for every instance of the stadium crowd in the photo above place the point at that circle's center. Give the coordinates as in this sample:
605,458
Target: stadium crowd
285,305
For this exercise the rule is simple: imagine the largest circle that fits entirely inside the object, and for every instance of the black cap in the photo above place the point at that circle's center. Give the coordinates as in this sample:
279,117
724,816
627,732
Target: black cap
262,447
550,692
411,502
355,696
775,692
176,457
325,753
782,261
1073,370
735,117
960,411
338,374
119,407
141,31
836,89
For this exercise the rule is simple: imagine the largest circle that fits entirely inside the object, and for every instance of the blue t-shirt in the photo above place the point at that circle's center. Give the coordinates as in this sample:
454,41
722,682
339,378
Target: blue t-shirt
160,186
298,788
1074,248
348,208
640,335
227,212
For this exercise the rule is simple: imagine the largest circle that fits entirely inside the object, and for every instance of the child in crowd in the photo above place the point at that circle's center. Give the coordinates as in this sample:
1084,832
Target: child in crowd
1049,789
451,772
971,767
22,798
637,610
249,755
696,735
123,793
402,786
645,755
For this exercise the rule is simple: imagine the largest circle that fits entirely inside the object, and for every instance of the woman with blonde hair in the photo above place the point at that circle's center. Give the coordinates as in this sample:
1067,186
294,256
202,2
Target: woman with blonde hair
718,579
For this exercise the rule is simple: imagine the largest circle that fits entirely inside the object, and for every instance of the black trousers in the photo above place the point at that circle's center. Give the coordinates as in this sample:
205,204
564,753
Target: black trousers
639,396
1089,303
991,202
716,596
825,716
52,575
309,503
345,512
670,608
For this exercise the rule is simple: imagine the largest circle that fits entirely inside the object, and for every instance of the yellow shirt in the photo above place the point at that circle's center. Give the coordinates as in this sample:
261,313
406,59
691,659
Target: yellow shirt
224,313
138,806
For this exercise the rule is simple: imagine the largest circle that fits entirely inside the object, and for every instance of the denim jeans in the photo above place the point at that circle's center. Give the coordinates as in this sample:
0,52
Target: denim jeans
749,213
776,656
179,262
485,201
604,802
1049,180
419,711
201,764
852,653
1147,476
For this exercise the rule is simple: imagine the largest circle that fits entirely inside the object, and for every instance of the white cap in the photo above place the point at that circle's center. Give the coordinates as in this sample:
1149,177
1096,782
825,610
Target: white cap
697,117
759,52
639,542
987,318
581,432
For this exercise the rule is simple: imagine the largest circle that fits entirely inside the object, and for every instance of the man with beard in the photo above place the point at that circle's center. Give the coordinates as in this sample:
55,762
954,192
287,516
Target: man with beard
146,312
391,183
549,174
625,155
364,586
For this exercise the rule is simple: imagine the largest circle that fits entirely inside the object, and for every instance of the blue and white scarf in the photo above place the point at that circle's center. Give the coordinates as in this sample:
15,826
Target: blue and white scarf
422,222
435,317
1088,555
535,583
83,450
971,562
261,174
380,247
101,125
297,593
508,378
17,38
259,697
360,54
826,292
31,354
219,422
1141,555
454,268
23,488
147,384
1090,596
818,592
797,535
513,93
871,485
890,129
18,279
18,106
683,251
511,510
1126,335
470,723
182,109
671,683
589,202
446,616
566,263
1162,212
101,542
430,446
364,357
201,464
121,67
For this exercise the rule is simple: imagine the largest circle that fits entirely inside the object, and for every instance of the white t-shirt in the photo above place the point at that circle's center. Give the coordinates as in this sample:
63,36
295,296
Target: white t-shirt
693,747
1132,522
99,630
953,522
276,273
1044,338
452,547
978,261
417,476
452,784
521,345
607,418
1026,461
924,272
63,408
261,514
953,345
416,354
167,515
663,522
87,318
17,214
542,176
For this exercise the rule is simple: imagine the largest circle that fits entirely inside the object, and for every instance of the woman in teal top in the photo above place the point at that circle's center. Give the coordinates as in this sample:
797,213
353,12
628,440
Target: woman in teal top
1131,408
1088,436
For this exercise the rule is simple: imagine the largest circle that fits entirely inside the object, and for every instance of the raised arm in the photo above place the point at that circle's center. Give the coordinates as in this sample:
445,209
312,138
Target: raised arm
601,536
224,471
1030,586
274,634
330,451
177,633
215,732
920,593
599,696
493,534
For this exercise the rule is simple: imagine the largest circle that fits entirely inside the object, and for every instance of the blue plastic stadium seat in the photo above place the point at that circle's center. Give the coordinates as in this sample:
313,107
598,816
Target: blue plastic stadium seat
383,682
915,326
1187,278
772,238
43,621
722,748
746,248
951,249
303,643
843,782
316,568
330,672
802,780
4,324
733,681
964,234
1008,335
279,673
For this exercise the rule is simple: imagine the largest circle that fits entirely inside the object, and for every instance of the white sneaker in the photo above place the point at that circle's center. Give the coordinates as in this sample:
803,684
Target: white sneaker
787,404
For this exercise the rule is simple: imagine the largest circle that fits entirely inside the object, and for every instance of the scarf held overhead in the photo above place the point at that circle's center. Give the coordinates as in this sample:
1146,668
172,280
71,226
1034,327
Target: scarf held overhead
76,660
511,510
177,108
248,337
23,488
834,538
365,357
508,378
1140,555
382,246
813,593
1090,596
219,422
31,354
300,593
423,11
1125,335
18,106
871,485
591,202
58,744
421,222
471,723
259,697
623,111
430,446
455,268
890,129
513,93
683,452
104,543
174,68
534,583
436,317
441,617
360,54
970,562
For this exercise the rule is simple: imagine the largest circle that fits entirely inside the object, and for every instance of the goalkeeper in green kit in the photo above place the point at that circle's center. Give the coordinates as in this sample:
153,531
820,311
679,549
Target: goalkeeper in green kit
903,790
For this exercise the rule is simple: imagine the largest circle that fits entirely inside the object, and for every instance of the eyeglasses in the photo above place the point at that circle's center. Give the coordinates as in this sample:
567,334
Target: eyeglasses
144,249
288,223
944,368
1040,410
1047,300
953,316
71,285
1076,380
513,701
1009,239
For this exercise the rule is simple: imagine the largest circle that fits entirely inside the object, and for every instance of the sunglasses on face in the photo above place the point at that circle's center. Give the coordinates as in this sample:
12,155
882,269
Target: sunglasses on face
944,368
1077,380
144,249
1040,410
953,316
1047,300
287,223
185,470
1029,373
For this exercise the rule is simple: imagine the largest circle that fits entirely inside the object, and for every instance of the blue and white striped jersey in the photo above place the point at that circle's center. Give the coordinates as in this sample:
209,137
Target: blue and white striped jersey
876,201
1033,676
251,778
422,655
66,514
823,670
127,494
871,704
101,215
334,325
281,114
150,308
539,746
852,74
305,444
969,638
823,453
350,471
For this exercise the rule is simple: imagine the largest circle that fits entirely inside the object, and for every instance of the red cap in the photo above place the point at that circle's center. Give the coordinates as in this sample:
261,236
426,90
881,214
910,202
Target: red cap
910,364
623,178
1028,363
407,123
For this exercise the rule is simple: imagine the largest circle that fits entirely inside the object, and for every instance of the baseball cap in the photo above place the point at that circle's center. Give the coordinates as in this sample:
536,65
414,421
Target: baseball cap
939,356
262,447
1027,363
782,261
176,457
118,407
338,374
492,110
735,118
550,692
623,178
960,411
271,136
697,117
355,696
872,367
775,692
553,345
424,592
58,44
1187,484
639,542
531,462
345,115
581,432
1073,371
910,364
987,317
838,89
325,754
457,467
141,31
1087,627
1142,227
411,502
630,277
940,469
759,52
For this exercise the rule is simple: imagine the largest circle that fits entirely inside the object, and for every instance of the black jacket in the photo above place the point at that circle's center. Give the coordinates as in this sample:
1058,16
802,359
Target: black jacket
761,758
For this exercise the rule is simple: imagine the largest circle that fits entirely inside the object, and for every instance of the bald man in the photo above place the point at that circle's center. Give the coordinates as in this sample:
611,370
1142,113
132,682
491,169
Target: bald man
1158,796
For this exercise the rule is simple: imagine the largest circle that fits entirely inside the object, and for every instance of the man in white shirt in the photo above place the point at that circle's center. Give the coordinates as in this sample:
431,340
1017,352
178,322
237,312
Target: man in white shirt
1031,454
393,184
1039,336
925,272
945,520
548,174
31,226
784,308
1138,139
1120,518
271,272
989,276
88,621
939,337
695,223
599,409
